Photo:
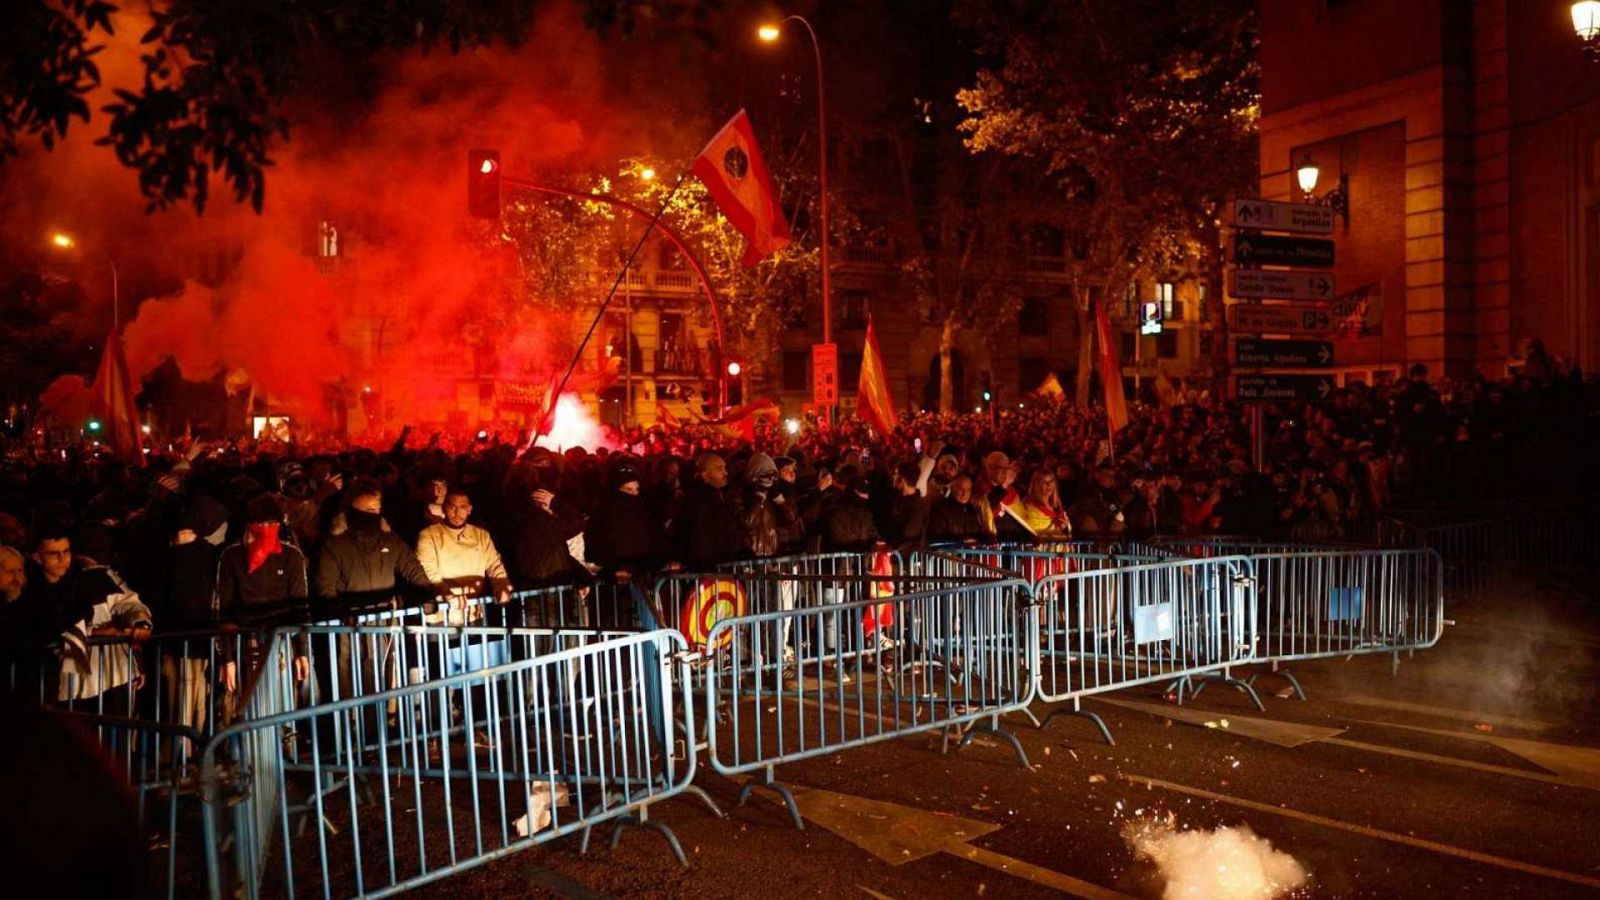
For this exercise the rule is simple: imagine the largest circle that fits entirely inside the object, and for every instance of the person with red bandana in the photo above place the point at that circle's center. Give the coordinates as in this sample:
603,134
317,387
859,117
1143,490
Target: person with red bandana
259,572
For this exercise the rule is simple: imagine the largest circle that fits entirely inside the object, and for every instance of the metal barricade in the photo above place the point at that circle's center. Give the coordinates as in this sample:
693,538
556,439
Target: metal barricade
1174,621
1341,603
1029,562
374,794
794,684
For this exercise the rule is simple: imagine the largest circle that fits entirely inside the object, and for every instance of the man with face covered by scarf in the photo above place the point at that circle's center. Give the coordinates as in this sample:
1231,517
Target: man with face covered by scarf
367,558
259,573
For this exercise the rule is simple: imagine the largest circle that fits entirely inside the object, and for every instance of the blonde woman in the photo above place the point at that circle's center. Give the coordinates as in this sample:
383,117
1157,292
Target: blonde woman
1041,512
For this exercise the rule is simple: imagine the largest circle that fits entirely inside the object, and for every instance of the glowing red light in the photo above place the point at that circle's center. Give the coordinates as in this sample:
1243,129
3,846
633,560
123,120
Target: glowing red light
734,369
487,167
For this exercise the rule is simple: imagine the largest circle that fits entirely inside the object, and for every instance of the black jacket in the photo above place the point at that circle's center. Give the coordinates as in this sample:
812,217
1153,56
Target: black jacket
541,556
707,530
848,525
951,521
624,532
280,580
354,564
907,522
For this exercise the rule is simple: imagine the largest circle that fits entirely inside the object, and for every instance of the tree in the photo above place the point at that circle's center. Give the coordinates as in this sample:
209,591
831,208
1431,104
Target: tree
1144,114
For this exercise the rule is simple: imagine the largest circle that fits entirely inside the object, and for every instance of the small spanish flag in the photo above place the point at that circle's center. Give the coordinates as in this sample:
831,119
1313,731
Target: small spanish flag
1050,389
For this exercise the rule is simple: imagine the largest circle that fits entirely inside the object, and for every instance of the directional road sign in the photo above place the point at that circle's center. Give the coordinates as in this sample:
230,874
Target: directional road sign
1281,285
1267,250
1282,387
1283,354
1280,318
1271,215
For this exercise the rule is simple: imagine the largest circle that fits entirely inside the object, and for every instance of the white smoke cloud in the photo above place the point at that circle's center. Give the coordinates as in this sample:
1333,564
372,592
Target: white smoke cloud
1225,864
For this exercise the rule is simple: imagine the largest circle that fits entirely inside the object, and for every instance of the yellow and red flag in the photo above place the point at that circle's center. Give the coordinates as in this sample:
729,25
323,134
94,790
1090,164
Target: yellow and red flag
1050,389
872,395
733,170
113,403
1110,371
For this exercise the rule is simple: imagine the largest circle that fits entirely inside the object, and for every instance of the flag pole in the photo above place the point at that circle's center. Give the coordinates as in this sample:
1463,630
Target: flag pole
538,430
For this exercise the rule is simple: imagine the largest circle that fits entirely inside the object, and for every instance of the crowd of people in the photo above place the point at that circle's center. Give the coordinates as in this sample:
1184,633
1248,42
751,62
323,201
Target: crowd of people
92,545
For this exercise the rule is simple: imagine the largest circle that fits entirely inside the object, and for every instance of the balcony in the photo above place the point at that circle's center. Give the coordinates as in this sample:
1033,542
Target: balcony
681,363
663,281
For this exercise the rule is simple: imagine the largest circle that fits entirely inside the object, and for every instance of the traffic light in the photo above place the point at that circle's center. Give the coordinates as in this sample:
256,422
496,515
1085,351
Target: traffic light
734,369
483,183
735,383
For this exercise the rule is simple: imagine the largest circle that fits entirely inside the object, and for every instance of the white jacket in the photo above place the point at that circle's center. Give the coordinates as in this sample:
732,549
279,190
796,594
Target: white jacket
466,561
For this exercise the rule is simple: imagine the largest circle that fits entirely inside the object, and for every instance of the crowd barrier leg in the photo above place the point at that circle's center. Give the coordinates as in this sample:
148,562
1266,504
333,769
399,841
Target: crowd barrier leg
770,782
1278,670
1076,709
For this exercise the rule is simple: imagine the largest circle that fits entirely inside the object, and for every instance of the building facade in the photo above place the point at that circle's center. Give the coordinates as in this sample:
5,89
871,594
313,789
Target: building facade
1468,133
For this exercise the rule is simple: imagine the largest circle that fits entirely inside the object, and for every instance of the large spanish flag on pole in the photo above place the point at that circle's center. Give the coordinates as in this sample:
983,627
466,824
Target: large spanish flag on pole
113,403
872,396
733,170
1110,371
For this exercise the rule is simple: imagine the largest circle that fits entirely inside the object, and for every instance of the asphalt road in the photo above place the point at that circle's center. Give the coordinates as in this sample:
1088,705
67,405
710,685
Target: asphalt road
1475,771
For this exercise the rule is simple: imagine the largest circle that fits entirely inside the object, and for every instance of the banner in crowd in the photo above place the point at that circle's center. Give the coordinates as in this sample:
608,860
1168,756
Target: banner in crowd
1358,313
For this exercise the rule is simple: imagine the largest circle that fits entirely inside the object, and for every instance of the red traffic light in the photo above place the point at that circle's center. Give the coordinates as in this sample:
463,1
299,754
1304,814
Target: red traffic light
734,369
483,183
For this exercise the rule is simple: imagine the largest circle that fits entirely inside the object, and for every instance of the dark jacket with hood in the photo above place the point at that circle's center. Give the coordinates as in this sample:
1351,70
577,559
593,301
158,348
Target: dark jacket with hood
707,530
367,559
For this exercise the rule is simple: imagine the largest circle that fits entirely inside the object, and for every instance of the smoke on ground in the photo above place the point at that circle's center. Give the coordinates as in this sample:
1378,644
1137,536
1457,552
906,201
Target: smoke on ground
1228,863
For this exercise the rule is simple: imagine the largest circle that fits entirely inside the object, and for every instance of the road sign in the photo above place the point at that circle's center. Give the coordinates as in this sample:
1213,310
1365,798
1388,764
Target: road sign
1267,250
1283,354
1280,318
1281,285
1271,215
825,375
1282,387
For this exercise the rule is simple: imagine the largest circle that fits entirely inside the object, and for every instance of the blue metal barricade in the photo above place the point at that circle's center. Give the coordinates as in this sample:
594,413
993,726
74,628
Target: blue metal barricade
1340,603
865,670
1173,622
378,793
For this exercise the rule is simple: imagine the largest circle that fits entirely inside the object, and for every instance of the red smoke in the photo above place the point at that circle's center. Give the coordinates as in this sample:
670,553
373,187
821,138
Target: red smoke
415,299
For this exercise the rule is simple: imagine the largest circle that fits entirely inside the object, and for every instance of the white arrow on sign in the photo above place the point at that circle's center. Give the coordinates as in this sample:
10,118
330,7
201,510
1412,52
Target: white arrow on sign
1261,284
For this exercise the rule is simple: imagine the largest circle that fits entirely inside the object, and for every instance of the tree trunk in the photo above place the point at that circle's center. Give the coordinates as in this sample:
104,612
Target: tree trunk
947,376
1080,391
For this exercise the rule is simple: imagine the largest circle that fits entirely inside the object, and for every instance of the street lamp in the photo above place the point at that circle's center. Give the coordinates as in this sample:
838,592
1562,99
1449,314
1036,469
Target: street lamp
63,241
1337,199
770,33
1586,22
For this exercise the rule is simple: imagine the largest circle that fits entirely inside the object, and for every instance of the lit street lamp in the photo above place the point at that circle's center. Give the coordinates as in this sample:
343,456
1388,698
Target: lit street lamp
1337,199
770,34
63,241
1586,22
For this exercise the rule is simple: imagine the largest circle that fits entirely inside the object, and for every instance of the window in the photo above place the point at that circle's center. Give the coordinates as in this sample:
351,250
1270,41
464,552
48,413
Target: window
327,240
1130,303
1127,345
1164,297
1204,310
1034,317
1046,244
1167,345
797,370
854,308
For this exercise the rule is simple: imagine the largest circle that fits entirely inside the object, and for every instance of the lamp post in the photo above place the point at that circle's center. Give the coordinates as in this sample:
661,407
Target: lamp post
770,34
1586,22
63,241
1337,199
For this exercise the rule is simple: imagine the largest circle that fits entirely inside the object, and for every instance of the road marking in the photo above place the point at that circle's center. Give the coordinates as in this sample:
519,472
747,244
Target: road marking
1273,731
898,834
1442,712
1407,840
1578,769
872,893
1572,764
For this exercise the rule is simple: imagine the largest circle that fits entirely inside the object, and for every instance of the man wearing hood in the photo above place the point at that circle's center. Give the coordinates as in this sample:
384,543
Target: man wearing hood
623,533
765,512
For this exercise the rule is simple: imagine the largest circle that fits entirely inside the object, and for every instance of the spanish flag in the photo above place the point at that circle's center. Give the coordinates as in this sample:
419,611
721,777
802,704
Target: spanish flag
733,170
1110,371
872,395
1050,389
113,403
